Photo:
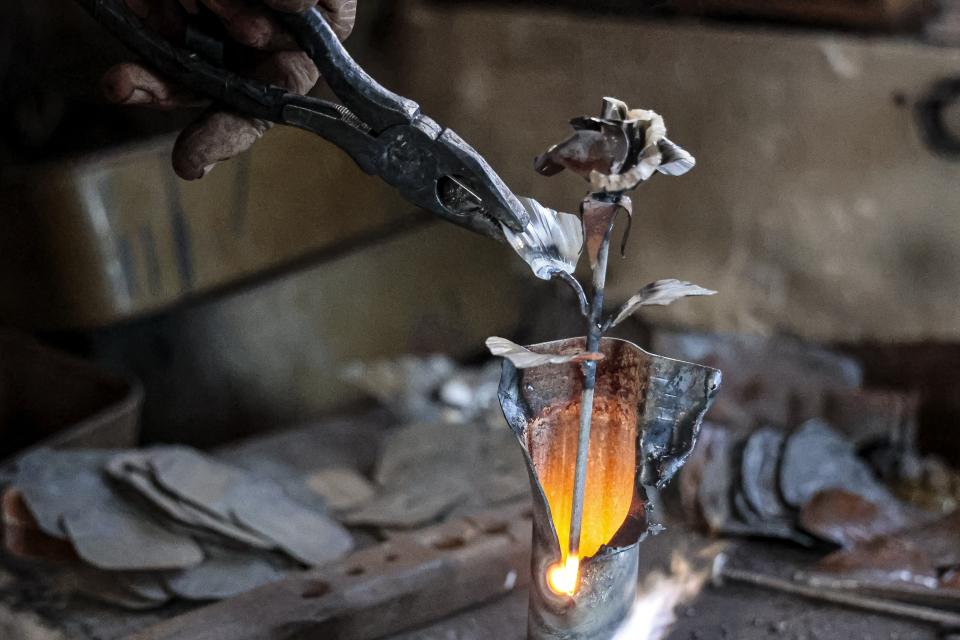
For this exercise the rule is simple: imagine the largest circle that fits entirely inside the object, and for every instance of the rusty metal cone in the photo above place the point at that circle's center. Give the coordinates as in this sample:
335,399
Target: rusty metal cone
646,418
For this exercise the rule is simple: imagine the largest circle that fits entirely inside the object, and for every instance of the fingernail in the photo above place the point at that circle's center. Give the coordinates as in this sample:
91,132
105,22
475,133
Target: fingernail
207,169
139,96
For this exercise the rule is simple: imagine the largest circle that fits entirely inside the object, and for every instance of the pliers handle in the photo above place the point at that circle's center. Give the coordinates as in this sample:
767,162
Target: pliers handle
384,133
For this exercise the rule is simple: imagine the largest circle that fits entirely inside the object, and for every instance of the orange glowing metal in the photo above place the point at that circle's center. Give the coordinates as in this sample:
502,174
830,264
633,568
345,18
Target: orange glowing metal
611,473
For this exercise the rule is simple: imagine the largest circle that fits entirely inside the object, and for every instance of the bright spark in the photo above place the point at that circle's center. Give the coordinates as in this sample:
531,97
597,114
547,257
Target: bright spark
563,578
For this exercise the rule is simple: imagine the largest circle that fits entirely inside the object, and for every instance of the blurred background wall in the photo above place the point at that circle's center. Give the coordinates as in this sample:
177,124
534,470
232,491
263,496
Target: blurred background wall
817,207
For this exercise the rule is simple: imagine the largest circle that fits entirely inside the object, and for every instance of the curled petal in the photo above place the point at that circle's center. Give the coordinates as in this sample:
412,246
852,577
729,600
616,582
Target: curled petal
551,242
604,149
523,358
661,292
655,129
676,160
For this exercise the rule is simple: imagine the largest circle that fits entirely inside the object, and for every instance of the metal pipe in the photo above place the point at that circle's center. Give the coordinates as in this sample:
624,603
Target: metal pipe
646,420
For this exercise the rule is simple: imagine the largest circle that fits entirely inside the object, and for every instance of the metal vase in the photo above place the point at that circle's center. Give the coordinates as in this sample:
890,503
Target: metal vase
646,418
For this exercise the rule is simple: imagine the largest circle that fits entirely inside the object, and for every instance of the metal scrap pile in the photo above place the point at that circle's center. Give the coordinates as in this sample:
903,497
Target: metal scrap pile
798,451
139,528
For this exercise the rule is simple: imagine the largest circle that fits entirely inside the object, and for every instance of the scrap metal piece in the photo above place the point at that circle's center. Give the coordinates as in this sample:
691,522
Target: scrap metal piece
312,538
716,485
886,559
196,478
133,469
343,488
255,504
57,482
224,574
646,417
759,470
816,458
22,536
847,519
722,498
68,494
116,537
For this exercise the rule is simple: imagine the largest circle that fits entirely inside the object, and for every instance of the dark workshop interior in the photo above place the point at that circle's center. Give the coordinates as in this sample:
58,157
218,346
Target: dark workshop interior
283,358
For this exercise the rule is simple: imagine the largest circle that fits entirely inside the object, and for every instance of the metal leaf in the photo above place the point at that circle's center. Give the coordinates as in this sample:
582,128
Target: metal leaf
523,358
661,292
551,243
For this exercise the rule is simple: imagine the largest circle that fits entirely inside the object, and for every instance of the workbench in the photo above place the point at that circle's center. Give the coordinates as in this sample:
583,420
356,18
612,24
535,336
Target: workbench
32,608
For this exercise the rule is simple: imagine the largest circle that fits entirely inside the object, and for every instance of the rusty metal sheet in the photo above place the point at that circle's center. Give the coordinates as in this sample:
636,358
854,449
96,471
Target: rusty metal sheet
847,519
883,560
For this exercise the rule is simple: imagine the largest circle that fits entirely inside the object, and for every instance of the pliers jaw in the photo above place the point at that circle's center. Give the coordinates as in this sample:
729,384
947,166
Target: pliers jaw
468,174
384,133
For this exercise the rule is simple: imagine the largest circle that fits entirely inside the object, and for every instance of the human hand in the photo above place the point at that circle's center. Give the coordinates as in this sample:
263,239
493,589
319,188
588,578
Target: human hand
219,135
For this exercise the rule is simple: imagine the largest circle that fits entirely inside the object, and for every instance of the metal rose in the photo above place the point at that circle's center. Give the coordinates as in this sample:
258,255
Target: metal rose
617,151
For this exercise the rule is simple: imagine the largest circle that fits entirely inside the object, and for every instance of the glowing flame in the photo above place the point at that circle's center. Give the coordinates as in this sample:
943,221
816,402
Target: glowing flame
563,578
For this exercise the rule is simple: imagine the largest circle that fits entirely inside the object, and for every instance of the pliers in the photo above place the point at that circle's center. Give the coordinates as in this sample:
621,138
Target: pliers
384,133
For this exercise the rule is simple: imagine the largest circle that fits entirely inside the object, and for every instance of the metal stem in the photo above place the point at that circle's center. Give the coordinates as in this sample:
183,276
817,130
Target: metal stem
586,404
